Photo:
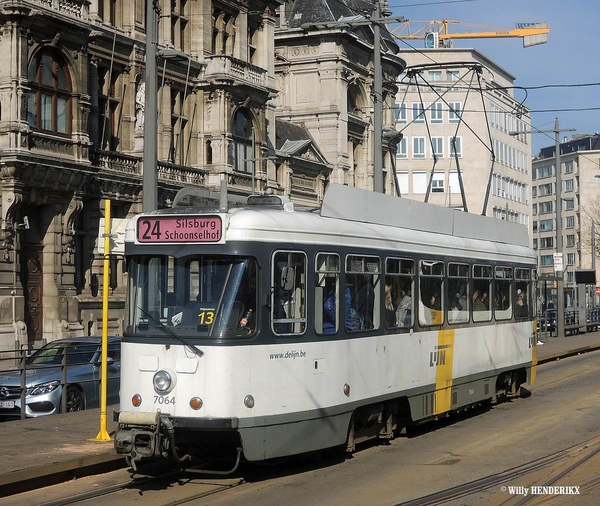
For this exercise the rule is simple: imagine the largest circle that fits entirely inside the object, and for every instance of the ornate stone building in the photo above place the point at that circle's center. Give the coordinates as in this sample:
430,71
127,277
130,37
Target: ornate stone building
325,73
71,137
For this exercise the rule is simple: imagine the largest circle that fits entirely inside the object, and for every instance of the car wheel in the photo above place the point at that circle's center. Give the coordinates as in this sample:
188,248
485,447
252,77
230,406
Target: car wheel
75,401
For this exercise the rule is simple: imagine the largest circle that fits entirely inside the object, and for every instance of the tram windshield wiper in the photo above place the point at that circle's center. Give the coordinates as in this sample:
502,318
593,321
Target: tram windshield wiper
192,347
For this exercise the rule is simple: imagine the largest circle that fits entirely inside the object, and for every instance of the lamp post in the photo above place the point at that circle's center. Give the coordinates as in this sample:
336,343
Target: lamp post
558,263
150,175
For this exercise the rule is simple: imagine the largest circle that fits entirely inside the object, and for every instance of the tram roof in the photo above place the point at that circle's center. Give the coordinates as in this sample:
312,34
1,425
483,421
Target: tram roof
354,204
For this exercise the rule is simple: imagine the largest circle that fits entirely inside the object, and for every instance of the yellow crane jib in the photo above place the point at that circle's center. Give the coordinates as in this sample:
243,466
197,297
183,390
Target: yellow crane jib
436,34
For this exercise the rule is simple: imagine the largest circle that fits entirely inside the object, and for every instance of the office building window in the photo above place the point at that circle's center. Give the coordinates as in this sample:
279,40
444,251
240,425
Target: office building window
437,146
568,167
454,111
546,225
569,185
455,146
402,181
418,112
453,183
419,180
401,113
402,149
437,184
418,147
570,222
436,111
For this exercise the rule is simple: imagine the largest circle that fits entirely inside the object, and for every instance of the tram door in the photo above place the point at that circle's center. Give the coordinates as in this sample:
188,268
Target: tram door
31,278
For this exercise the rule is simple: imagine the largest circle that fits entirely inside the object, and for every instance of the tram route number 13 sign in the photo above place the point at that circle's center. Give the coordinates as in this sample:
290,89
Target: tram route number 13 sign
179,229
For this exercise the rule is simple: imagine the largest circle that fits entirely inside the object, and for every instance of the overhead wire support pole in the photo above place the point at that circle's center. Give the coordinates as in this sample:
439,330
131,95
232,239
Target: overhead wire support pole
377,105
374,21
560,296
149,181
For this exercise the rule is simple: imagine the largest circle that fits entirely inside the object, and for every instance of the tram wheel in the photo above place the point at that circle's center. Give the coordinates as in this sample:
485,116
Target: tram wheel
75,401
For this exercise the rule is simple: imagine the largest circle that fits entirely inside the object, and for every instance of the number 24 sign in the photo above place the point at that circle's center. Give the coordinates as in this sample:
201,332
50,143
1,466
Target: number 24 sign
179,229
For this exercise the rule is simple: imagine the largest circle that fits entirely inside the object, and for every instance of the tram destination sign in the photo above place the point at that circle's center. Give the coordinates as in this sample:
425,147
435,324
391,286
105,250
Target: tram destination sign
179,229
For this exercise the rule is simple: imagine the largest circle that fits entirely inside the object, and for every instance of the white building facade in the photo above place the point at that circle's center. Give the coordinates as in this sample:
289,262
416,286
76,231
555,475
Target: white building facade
580,211
444,118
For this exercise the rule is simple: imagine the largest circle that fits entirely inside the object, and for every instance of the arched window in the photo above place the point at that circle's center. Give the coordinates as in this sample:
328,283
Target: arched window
49,104
243,142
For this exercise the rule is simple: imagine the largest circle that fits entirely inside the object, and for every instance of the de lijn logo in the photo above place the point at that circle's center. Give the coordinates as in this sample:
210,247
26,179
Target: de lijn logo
438,355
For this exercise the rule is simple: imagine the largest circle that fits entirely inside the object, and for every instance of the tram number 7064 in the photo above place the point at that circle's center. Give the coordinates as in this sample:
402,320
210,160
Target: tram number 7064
163,399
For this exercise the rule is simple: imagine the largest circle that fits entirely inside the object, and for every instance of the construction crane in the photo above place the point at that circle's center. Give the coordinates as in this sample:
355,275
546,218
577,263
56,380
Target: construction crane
437,35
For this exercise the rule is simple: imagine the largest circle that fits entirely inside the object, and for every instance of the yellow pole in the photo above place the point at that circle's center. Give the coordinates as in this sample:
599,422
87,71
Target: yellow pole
103,434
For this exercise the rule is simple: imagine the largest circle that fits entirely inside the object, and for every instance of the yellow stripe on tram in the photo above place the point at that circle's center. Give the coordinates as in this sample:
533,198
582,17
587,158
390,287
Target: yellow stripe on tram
443,358
533,352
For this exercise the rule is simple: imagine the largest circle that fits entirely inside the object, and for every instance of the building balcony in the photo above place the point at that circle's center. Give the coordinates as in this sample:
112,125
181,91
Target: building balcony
116,162
127,165
222,68
181,175
74,8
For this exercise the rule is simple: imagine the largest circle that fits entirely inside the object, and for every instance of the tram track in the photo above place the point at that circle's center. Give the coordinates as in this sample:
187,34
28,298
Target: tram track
146,483
547,471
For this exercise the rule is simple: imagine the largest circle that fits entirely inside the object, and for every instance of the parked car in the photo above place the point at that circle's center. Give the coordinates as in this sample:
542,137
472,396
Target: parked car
43,376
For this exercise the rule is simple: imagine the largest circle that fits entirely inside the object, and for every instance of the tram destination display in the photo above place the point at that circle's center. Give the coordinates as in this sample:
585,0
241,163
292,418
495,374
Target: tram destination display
179,229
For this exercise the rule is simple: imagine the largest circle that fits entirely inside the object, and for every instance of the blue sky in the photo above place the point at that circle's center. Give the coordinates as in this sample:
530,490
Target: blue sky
568,58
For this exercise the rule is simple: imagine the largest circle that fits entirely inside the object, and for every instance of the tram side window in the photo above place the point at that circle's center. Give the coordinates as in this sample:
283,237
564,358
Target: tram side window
362,279
503,293
458,293
327,289
431,286
288,304
398,301
482,287
522,303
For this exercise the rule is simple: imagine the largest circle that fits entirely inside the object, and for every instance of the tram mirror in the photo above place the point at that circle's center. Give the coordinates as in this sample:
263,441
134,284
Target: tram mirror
287,278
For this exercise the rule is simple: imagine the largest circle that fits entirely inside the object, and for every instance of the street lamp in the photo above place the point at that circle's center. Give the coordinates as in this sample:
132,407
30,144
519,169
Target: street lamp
149,179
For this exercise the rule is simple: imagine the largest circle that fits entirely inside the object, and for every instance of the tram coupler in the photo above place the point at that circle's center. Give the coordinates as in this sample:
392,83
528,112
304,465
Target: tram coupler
145,435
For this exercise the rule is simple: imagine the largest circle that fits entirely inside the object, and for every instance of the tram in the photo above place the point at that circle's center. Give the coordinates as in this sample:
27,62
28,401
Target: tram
264,329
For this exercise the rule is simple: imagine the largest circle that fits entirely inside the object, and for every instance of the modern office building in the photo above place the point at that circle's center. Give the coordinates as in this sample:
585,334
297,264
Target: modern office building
580,212
459,117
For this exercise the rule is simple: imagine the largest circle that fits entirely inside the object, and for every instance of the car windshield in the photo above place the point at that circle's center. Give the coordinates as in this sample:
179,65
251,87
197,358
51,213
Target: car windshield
194,296
52,354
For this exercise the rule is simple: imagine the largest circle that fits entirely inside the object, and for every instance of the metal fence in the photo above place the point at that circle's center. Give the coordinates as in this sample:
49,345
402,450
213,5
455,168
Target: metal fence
11,360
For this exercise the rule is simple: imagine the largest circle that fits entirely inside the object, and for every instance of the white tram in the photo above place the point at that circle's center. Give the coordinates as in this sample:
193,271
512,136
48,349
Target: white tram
272,331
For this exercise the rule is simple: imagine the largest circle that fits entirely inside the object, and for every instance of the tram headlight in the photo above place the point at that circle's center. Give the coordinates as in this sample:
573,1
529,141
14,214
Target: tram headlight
164,382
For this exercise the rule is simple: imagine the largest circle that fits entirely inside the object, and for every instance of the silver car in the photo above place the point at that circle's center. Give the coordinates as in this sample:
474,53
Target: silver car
43,378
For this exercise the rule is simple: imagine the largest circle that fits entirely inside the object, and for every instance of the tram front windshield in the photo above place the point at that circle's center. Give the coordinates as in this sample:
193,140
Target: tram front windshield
194,296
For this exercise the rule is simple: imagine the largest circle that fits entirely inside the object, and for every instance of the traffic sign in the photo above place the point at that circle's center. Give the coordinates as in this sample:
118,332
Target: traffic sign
558,262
